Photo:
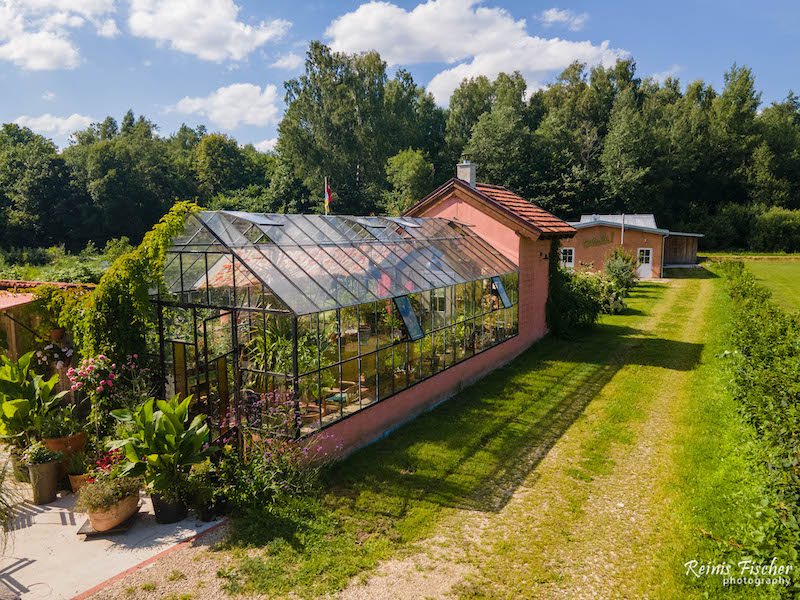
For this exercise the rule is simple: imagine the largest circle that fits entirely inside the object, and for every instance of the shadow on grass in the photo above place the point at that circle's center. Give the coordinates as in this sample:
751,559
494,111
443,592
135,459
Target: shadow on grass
473,451
690,273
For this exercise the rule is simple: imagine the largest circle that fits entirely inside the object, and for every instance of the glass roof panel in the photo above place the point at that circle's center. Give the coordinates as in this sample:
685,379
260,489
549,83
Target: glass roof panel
316,262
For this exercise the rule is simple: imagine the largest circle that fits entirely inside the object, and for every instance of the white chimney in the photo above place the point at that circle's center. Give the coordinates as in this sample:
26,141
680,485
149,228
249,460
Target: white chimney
466,172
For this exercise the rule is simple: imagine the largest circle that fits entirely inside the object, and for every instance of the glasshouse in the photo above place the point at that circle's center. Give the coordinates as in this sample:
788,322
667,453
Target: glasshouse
342,312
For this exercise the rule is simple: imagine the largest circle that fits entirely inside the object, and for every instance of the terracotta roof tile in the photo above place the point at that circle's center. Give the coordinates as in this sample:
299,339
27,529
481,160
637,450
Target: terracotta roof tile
548,224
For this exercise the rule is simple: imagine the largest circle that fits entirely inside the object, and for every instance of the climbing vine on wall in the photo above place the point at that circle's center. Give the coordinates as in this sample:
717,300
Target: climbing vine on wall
115,316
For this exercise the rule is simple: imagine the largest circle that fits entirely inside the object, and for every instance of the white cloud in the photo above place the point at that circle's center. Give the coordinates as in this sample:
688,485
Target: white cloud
266,145
476,39
35,34
52,125
208,29
108,28
662,76
238,103
567,18
289,62
40,51
49,96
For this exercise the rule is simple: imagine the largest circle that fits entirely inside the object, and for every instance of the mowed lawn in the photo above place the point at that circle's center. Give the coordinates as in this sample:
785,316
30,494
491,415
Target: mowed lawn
782,278
472,452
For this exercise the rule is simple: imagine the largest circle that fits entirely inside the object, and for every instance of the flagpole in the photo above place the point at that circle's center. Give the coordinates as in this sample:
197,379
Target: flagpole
325,195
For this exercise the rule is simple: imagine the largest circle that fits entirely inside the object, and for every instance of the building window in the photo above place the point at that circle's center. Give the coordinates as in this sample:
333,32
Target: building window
568,257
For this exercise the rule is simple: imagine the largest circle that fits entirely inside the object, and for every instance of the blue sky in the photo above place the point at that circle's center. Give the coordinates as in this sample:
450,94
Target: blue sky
66,63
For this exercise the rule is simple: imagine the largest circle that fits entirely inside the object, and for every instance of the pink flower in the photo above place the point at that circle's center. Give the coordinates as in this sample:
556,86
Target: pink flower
101,357
111,376
135,356
103,382
114,366
90,369
79,384
108,383
74,387
100,388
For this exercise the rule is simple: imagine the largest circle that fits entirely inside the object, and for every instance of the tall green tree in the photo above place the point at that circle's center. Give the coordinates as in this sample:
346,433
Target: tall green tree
345,118
411,176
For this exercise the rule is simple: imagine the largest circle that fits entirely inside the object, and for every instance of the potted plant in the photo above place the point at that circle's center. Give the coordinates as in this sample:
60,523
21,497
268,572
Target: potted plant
57,355
25,398
43,469
109,498
77,469
163,449
62,431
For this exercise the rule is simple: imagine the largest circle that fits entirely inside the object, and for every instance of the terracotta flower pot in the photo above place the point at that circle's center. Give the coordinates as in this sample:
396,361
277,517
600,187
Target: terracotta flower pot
44,481
56,334
76,482
103,520
68,445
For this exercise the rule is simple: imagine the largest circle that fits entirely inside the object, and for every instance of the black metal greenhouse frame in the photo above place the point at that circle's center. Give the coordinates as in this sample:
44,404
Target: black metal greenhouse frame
294,271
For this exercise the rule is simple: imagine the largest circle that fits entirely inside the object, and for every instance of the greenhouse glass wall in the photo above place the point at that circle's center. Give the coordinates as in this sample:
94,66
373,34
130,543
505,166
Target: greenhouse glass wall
339,312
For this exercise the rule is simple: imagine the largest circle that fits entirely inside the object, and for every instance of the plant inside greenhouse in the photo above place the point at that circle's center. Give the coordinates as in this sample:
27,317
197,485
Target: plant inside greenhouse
341,312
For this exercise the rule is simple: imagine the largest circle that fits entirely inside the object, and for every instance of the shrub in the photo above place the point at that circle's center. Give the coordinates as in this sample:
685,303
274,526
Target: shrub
102,494
776,230
77,464
38,454
620,268
90,250
729,228
612,297
56,253
25,256
756,228
278,465
573,301
60,423
765,381
117,247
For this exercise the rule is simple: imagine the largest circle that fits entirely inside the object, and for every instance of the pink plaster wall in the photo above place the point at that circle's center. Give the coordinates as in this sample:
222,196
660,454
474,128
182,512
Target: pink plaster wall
588,250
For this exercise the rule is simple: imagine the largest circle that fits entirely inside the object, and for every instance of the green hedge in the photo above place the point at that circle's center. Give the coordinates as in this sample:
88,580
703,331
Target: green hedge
754,228
765,381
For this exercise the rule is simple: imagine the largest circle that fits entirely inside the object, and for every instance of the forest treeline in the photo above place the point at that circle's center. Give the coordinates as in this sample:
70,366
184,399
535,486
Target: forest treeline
596,139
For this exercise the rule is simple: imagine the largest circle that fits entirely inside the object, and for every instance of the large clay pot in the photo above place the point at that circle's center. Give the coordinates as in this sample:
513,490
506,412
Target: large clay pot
103,520
168,512
76,482
44,481
68,445
56,334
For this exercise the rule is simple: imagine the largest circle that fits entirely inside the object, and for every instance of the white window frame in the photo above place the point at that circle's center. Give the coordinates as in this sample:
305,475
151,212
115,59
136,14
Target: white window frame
649,253
570,264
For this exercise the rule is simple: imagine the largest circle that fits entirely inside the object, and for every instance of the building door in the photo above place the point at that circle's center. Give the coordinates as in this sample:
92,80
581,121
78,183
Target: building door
645,268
